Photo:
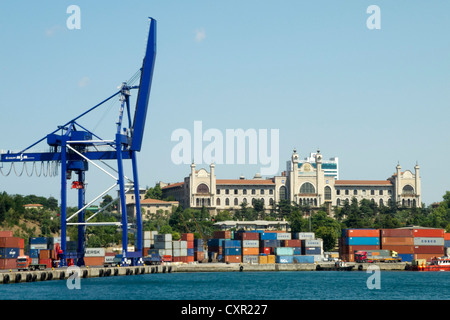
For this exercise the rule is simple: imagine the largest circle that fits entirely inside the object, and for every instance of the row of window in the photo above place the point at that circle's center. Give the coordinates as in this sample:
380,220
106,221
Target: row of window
207,202
363,192
405,203
245,191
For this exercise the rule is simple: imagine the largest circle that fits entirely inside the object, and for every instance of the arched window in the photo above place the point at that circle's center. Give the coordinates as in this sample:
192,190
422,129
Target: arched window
202,188
244,200
227,202
327,193
408,190
218,202
381,203
307,188
338,202
271,201
283,193
236,203
197,202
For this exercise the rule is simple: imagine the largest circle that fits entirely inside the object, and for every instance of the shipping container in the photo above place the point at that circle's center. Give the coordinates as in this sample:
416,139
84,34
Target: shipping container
361,233
232,251
266,250
284,259
179,244
44,254
351,249
94,252
34,253
150,235
6,264
6,234
47,262
447,236
425,256
438,250
11,242
247,235
434,233
421,241
302,259
231,243
179,253
199,255
94,261
38,246
216,242
312,250
292,243
222,234
250,251
273,243
303,235
38,240
447,243
250,258
163,245
284,236
406,257
250,243
190,252
262,259
268,236
233,259
9,253
312,243
397,241
396,232
362,241
283,251
271,258
297,250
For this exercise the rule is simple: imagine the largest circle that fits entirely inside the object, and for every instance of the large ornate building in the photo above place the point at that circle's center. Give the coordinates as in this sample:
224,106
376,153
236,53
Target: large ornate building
311,181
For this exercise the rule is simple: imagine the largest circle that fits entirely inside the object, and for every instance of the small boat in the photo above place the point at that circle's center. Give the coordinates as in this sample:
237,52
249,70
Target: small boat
436,264
338,266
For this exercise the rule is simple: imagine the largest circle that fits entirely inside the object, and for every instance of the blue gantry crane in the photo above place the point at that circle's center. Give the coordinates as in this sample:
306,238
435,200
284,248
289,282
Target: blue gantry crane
73,148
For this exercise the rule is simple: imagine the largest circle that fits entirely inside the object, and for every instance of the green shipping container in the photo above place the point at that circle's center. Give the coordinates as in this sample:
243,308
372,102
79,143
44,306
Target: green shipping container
284,251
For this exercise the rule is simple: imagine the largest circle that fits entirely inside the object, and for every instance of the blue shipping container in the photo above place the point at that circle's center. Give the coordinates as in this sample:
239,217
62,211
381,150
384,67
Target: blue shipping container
303,259
268,236
297,250
284,259
231,244
312,250
9,253
270,243
359,241
190,252
215,242
232,251
406,257
38,240
447,243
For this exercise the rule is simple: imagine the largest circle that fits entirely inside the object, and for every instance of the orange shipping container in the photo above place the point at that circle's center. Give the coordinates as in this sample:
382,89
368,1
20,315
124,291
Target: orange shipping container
250,251
199,256
434,233
222,234
47,262
362,233
6,264
189,259
94,261
437,250
396,232
44,254
262,259
11,242
233,259
446,236
426,256
397,241
271,258
6,234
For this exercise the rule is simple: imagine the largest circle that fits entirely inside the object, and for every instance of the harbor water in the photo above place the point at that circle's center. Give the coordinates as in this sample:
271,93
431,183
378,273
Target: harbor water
323,285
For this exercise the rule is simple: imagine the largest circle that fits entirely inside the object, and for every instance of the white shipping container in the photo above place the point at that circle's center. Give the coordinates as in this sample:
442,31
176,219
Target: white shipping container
38,246
148,243
109,259
179,252
304,235
312,243
284,236
180,244
250,243
150,235
94,252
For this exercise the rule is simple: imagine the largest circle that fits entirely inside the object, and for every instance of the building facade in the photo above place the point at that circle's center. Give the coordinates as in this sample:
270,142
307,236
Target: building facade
311,181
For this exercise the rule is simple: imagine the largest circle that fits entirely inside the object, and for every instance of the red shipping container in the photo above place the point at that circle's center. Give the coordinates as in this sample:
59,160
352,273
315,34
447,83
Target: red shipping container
438,250
362,233
11,242
434,233
6,264
247,236
167,258
396,232
94,261
446,236
189,259
291,243
187,236
199,256
47,262
6,234
266,250
44,254
399,249
397,241
222,234
190,244
233,259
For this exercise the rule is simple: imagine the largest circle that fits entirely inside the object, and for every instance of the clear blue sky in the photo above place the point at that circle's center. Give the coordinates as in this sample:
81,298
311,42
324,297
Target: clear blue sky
311,69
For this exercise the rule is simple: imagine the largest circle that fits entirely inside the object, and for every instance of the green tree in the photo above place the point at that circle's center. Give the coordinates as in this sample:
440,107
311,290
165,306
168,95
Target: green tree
154,193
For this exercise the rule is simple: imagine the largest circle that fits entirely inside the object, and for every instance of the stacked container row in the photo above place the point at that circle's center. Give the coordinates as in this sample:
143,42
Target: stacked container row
10,248
357,239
